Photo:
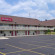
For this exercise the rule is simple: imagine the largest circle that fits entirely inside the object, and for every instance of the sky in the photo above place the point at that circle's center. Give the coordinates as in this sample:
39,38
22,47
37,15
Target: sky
36,9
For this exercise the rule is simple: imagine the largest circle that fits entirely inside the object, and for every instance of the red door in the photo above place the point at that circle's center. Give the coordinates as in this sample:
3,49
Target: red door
12,33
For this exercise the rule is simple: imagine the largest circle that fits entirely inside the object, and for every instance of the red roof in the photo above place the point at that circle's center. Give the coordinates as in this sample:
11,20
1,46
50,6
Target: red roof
20,20
27,21
48,23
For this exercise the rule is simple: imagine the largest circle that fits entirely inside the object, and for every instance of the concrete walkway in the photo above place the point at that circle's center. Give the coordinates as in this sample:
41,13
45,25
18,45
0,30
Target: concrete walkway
3,38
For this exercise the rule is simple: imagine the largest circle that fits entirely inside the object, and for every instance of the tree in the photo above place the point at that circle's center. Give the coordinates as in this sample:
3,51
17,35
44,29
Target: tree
48,30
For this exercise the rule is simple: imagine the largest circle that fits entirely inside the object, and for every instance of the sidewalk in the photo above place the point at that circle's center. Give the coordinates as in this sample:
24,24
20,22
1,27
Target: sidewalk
3,38
7,37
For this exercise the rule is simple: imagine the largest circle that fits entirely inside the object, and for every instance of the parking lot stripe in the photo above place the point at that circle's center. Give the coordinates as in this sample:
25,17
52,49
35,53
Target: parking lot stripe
44,42
23,50
32,44
34,52
37,47
42,47
28,44
17,47
2,53
46,46
13,52
14,46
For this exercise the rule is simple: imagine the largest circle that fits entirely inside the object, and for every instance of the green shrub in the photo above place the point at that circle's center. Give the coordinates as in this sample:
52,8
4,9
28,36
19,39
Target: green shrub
54,30
48,30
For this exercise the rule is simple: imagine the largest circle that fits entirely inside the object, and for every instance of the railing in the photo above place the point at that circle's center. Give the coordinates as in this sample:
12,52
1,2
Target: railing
24,28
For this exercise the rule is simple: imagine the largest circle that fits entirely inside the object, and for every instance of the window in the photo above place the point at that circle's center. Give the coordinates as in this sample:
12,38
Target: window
10,24
10,31
1,31
17,31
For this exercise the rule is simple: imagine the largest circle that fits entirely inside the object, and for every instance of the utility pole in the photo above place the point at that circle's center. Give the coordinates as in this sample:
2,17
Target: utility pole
29,14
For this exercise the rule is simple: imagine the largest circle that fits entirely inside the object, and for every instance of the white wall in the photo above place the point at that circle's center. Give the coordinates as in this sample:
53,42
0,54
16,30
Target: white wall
7,33
21,33
41,32
1,34
31,32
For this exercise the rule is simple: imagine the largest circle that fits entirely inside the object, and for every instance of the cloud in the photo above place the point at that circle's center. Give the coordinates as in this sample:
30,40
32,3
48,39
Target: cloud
4,7
52,12
50,1
37,14
29,8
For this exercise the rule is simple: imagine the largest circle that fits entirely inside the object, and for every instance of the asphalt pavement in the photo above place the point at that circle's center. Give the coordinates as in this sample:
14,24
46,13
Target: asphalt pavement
28,45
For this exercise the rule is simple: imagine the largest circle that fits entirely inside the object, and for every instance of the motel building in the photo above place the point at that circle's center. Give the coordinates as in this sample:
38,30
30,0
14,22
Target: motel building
16,26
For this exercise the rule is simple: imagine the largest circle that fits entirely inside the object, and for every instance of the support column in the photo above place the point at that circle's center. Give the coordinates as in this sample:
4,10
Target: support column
25,32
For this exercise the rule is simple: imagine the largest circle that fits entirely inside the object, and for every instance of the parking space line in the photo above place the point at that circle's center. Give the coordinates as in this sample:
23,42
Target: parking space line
13,52
14,46
45,43
2,53
42,47
28,44
17,47
37,47
34,52
46,46
23,50
32,44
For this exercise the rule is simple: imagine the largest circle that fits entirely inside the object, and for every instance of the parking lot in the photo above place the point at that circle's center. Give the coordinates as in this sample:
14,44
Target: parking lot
28,45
